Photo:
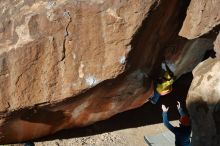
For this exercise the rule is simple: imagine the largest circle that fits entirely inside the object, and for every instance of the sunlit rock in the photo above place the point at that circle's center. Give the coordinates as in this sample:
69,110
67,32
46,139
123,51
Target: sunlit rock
202,16
203,102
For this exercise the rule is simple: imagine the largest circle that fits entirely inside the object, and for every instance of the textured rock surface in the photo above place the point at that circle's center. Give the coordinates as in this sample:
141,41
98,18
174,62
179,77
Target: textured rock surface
217,46
56,50
53,50
204,103
184,56
203,20
72,63
98,104
202,17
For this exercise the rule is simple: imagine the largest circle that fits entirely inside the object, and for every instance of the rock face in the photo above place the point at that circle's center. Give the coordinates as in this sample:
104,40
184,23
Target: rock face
204,103
54,50
203,21
187,54
69,63
202,17
217,46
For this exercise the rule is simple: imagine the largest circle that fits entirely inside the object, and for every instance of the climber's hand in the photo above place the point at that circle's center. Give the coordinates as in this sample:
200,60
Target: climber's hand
164,108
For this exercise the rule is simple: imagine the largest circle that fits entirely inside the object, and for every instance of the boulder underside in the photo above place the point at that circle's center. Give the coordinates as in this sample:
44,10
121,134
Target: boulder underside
69,64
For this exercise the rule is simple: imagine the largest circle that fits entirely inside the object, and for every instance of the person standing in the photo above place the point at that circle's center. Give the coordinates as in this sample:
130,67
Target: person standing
182,133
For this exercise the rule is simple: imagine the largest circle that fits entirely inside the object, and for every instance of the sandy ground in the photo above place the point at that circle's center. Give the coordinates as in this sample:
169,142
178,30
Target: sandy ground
125,137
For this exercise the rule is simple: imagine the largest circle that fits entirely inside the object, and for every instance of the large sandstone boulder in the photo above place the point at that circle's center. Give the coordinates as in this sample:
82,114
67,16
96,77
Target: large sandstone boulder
202,17
57,49
203,102
71,63
203,20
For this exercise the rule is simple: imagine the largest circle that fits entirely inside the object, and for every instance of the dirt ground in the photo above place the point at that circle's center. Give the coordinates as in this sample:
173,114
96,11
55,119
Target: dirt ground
124,137
127,128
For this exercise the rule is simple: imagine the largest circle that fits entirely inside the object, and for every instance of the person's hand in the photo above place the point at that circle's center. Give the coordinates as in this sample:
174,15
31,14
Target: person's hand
164,108
178,105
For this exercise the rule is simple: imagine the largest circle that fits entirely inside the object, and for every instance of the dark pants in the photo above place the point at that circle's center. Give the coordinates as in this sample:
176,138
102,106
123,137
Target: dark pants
156,96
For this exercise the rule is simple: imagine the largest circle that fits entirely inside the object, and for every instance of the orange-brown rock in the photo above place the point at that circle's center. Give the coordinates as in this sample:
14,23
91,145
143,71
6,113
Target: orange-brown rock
203,102
202,17
97,104
52,55
203,22
57,49
71,63
186,54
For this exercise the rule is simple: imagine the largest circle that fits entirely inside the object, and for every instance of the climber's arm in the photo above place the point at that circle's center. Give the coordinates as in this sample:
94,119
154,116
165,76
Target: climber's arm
180,109
165,118
167,123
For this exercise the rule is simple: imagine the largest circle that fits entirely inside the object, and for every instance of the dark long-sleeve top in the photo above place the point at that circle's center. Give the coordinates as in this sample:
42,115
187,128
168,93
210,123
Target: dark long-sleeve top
182,133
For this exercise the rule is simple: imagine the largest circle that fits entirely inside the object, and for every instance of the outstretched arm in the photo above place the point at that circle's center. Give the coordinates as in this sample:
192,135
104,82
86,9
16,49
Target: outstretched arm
181,112
165,119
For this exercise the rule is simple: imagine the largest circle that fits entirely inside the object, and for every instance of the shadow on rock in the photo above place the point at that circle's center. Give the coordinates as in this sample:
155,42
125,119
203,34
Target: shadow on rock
148,114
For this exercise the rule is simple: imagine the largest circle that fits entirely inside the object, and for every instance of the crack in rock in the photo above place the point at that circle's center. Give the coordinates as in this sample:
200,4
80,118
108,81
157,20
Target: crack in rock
66,34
